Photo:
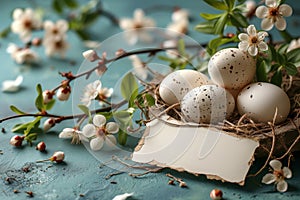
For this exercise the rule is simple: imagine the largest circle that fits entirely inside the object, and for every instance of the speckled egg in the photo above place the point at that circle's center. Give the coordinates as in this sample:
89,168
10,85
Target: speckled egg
231,68
207,104
174,86
260,100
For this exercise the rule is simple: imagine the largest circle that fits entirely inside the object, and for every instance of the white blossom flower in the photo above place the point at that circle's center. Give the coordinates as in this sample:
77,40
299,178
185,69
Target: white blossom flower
278,176
12,85
24,22
273,13
17,140
63,93
90,93
295,44
91,55
55,30
22,55
180,14
93,91
178,28
139,67
253,41
74,134
250,7
123,196
47,96
57,156
56,45
49,123
100,133
136,26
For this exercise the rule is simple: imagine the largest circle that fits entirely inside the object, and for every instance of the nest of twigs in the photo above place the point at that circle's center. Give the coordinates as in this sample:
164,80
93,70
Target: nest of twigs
276,141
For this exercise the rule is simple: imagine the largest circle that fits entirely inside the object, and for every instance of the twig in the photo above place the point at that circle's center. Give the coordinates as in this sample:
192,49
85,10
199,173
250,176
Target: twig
270,153
179,180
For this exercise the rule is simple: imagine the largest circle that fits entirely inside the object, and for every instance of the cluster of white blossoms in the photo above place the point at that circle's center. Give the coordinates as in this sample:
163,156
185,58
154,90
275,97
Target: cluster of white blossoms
180,22
272,13
55,38
24,23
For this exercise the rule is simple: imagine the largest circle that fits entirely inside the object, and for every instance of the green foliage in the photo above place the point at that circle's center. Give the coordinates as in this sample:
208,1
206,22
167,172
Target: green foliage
261,71
216,24
39,101
16,110
59,5
86,111
4,33
129,87
122,137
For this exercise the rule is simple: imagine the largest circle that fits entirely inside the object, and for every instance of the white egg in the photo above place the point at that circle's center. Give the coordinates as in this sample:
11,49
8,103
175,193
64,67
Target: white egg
174,86
207,104
231,68
260,100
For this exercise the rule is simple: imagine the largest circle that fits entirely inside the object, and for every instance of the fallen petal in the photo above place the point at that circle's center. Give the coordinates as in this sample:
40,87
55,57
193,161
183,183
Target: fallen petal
123,196
12,85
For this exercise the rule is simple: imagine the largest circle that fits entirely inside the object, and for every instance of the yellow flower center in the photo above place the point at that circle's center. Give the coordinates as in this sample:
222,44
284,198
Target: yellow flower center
279,174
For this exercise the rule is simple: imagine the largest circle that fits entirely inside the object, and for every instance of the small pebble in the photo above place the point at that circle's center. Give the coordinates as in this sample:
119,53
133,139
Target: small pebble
216,194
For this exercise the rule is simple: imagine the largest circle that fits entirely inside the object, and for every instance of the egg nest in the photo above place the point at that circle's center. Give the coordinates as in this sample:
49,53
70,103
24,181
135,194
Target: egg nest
275,140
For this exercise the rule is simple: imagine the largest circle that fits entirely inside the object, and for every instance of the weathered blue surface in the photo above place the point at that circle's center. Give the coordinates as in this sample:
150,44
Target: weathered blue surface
81,176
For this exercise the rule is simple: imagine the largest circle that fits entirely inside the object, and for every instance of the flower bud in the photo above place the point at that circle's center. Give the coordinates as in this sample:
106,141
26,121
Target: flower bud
47,96
49,123
58,157
41,146
216,194
16,140
63,93
91,55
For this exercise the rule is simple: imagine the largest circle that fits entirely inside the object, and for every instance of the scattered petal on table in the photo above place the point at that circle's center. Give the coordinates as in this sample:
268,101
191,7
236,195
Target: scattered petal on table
12,85
123,196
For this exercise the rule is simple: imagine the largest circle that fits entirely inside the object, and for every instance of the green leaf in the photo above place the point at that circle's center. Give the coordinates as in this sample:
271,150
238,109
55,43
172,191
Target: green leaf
220,24
291,69
277,78
16,110
39,101
5,32
261,72
294,55
57,6
89,18
123,117
84,35
209,16
34,124
129,86
286,36
214,44
239,20
71,3
206,27
230,4
149,99
85,110
122,137
181,47
220,5
50,104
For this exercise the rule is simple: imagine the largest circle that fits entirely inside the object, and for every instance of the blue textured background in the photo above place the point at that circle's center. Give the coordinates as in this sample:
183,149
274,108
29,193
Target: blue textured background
81,174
